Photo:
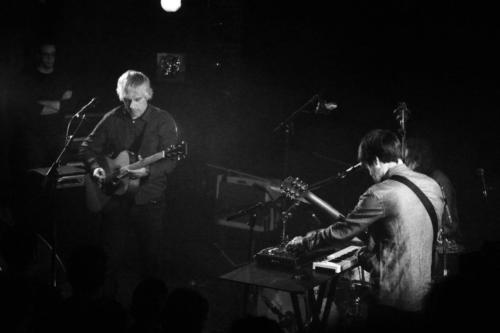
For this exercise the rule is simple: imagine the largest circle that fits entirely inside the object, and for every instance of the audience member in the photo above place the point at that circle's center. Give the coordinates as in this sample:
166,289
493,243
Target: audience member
420,158
87,309
42,96
148,301
186,311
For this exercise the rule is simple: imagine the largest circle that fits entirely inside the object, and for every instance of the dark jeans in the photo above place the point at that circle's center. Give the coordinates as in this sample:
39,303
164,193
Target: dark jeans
131,231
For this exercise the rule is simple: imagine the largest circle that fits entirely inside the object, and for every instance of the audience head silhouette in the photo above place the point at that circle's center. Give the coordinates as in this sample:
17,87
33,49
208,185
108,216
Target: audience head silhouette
149,299
186,308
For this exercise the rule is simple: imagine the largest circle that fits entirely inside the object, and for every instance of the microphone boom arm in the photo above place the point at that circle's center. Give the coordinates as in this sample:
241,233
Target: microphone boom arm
339,175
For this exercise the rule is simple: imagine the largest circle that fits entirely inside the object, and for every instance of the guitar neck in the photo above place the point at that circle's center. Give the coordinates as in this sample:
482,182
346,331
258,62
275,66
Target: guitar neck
147,161
323,205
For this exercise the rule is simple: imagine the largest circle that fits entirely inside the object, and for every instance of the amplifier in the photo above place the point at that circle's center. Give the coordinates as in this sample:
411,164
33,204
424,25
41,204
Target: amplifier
70,175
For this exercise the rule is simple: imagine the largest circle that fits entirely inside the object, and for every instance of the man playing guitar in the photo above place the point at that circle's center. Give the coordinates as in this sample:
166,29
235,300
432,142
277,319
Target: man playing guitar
131,131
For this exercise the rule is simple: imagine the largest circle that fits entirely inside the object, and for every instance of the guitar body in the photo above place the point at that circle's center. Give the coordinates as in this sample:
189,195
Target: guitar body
118,182
115,184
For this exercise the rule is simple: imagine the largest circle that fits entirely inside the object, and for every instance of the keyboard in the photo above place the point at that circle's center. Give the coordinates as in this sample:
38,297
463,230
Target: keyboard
278,256
339,261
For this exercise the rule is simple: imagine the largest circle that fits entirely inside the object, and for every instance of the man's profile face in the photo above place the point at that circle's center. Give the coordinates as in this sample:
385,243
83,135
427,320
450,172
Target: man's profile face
135,100
47,56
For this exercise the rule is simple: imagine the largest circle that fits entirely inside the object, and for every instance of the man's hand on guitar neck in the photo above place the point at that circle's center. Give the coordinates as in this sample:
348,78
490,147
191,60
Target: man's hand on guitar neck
136,173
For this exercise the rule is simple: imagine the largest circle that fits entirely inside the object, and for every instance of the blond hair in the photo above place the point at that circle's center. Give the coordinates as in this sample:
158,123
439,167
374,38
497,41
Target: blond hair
133,79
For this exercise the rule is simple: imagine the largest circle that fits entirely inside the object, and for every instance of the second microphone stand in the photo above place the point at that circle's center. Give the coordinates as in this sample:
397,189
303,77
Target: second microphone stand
287,127
251,212
402,114
50,185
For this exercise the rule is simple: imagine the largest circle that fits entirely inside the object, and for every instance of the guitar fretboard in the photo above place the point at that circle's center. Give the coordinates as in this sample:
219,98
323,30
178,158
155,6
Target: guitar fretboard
148,160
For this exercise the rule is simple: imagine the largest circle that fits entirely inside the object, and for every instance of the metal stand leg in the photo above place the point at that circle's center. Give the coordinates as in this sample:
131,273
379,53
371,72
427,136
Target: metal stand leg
298,314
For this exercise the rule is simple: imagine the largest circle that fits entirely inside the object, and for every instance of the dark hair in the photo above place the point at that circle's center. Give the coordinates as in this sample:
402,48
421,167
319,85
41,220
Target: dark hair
380,143
187,308
419,151
149,298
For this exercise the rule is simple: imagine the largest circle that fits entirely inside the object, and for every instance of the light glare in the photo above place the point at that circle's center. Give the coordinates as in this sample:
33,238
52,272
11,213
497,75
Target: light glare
170,5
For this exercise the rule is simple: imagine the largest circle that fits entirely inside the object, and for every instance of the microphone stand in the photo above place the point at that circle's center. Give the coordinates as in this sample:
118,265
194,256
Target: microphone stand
340,175
252,213
50,186
402,115
287,126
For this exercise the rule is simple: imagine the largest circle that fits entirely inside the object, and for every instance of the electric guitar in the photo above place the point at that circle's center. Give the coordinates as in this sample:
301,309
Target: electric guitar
118,181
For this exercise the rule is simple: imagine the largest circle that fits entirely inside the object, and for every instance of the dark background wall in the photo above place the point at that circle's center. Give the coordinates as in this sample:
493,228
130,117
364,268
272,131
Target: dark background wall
250,64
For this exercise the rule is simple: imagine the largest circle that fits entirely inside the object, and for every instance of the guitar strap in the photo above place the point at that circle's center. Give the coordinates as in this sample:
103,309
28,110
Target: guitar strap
427,204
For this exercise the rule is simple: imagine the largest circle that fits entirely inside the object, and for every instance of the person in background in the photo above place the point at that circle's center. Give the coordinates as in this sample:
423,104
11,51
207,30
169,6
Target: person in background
45,94
420,157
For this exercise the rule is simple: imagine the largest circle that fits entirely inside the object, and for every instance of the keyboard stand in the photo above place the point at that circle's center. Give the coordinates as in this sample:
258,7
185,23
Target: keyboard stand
295,283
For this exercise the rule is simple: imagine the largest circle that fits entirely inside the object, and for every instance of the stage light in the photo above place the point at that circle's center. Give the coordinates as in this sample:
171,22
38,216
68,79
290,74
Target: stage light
170,5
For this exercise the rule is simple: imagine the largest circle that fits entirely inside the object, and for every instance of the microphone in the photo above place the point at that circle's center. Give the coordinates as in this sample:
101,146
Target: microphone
80,112
349,170
324,107
480,173
339,175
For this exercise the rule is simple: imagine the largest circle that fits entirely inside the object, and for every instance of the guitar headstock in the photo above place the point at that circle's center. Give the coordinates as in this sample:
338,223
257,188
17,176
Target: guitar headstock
178,151
293,188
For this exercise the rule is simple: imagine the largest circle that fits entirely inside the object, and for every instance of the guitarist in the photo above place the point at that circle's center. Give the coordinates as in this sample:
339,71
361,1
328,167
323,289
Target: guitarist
400,229
143,129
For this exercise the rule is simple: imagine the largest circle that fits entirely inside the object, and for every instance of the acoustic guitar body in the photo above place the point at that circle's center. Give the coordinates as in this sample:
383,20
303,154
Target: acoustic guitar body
116,183
120,182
